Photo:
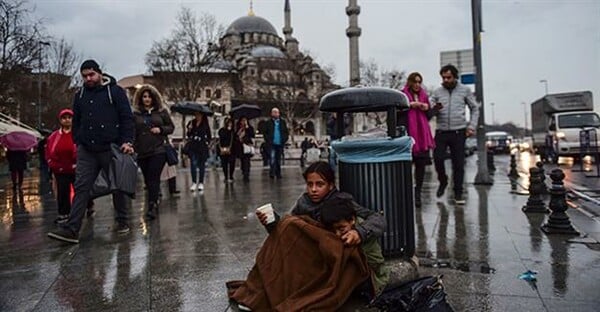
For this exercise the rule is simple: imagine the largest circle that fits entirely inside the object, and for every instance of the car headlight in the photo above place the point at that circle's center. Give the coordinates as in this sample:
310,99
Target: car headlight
560,135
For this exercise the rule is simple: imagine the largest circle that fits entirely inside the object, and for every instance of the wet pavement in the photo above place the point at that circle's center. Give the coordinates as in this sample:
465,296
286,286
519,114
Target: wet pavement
181,261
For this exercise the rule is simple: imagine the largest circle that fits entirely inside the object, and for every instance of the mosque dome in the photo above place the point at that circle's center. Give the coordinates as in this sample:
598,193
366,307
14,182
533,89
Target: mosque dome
251,24
266,51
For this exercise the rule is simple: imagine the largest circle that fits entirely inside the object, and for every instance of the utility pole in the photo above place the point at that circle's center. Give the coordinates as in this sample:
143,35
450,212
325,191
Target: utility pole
39,103
483,176
493,117
525,114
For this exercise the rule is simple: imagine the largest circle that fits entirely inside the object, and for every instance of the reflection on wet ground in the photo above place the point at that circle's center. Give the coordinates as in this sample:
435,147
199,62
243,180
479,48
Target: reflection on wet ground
181,261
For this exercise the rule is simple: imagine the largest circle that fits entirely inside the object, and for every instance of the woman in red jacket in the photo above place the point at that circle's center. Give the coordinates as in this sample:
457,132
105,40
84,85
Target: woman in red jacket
61,156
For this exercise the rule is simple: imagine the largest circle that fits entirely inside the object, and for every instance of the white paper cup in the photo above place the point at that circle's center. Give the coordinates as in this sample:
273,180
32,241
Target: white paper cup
267,209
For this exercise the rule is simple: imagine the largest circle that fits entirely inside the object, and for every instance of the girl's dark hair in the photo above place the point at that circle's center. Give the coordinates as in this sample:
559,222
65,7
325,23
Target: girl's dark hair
155,102
335,210
321,168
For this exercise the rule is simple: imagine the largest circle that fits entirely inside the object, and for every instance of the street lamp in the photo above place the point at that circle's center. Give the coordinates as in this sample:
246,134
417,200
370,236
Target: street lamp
39,106
493,118
545,82
525,114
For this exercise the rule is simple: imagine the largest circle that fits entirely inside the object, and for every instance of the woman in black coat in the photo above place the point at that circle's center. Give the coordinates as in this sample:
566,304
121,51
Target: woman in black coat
199,137
152,125
228,149
245,134
17,163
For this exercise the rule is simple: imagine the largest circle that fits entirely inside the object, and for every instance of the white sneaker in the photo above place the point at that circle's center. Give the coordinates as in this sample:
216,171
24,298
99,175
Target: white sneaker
193,187
200,186
242,307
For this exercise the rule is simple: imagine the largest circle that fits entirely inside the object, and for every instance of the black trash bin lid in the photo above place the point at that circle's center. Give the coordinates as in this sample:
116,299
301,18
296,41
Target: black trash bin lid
363,99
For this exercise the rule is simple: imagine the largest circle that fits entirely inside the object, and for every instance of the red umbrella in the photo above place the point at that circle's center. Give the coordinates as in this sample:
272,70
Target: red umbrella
18,141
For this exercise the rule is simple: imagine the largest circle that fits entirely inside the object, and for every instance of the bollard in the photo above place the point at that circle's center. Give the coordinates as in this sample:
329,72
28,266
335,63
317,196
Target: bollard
558,220
490,161
535,202
513,173
542,173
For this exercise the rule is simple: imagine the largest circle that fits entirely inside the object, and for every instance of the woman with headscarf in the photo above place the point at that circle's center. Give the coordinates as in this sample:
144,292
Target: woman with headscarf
416,121
152,126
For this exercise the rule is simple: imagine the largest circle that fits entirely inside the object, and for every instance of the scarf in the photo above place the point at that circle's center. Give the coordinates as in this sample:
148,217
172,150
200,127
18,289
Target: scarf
418,125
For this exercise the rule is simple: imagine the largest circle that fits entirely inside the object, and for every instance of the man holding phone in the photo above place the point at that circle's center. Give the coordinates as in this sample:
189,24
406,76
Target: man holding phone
452,129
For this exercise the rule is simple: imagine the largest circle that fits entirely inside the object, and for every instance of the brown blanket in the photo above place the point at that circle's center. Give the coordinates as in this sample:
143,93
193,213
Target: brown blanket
301,267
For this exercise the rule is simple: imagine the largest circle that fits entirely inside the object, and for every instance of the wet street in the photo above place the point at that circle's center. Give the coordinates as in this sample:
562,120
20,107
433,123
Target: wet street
181,260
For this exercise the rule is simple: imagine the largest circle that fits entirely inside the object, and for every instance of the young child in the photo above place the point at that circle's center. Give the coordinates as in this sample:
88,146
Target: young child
320,187
340,218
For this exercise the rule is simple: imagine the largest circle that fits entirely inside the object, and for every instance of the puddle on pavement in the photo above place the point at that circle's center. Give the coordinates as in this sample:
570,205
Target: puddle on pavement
464,266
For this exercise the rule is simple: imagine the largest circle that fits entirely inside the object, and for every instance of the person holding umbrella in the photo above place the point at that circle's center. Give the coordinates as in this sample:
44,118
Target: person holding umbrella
152,125
17,144
199,137
245,134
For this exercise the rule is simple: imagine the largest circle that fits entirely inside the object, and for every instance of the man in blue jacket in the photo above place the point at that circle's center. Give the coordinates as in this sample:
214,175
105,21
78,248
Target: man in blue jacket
102,116
450,101
276,135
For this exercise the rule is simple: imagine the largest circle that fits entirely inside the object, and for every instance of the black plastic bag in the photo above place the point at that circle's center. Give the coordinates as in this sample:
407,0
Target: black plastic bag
103,185
423,294
125,171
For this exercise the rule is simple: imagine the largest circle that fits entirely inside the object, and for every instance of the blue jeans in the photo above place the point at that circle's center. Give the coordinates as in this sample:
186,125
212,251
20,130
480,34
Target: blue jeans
197,163
275,161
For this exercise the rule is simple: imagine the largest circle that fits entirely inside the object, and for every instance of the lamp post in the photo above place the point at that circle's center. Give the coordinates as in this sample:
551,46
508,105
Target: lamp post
39,103
525,114
545,82
493,117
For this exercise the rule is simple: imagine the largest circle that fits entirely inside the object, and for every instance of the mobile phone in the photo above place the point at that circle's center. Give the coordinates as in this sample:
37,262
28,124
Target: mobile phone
438,105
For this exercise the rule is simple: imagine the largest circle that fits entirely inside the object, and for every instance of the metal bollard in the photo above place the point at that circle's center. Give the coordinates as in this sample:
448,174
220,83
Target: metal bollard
513,173
558,220
535,202
540,166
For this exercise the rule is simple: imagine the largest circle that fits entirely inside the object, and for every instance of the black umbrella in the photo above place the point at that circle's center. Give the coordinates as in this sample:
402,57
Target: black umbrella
245,110
190,108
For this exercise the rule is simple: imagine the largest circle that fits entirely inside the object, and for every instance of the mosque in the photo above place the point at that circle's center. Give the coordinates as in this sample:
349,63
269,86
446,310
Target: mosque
257,66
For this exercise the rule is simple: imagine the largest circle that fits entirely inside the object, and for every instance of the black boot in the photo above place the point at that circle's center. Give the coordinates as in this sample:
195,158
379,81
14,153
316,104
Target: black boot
417,198
152,211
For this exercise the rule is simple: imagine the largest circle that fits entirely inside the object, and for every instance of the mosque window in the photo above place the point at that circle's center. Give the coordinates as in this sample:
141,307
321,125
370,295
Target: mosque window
218,93
207,93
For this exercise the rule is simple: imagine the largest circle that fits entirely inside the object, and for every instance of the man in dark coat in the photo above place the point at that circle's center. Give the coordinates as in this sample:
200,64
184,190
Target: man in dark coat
102,116
276,135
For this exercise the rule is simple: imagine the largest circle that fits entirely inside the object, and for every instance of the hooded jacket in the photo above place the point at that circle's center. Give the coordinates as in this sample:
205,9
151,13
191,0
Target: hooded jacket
101,116
452,116
147,143
61,152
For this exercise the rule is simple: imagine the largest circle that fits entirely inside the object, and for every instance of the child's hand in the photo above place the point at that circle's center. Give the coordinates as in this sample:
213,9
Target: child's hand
351,238
262,217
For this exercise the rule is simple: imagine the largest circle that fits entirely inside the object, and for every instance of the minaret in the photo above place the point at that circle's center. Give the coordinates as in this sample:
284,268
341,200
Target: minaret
353,32
291,44
251,10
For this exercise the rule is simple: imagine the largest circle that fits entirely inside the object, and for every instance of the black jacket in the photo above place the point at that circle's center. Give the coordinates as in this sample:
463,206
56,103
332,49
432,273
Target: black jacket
270,130
199,137
146,143
101,116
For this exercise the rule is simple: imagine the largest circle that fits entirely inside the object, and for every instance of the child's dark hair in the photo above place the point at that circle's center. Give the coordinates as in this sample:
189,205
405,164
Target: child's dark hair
335,210
321,168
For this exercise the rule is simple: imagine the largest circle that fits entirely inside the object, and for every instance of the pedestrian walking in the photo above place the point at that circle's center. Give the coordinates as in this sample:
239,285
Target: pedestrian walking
61,156
199,138
152,126
227,149
416,121
245,136
451,100
304,149
17,163
265,154
276,135
101,116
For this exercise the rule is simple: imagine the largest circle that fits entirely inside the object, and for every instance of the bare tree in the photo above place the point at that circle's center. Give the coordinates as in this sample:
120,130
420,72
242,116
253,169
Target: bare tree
179,60
371,75
20,35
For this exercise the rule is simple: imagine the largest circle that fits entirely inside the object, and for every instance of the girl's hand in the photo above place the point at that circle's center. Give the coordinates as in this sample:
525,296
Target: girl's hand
351,238
262,217
424,106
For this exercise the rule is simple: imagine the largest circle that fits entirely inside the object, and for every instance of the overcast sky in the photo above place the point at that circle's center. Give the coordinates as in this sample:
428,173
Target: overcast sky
524,41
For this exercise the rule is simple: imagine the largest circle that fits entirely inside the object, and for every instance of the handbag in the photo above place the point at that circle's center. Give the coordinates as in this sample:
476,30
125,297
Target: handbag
248,149
172,156
187,148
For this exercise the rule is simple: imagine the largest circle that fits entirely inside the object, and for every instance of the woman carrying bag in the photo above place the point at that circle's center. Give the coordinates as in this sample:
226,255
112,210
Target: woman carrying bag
245,134
152,126
199,136
228,144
